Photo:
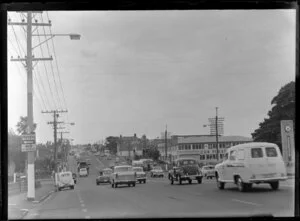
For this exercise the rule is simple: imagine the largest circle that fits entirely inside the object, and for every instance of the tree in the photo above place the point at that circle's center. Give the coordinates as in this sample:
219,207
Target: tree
14,151
152,153
111,144
283,109
22,125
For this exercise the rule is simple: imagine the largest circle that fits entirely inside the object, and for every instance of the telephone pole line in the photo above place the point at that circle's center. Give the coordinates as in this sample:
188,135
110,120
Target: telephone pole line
55,122
29,67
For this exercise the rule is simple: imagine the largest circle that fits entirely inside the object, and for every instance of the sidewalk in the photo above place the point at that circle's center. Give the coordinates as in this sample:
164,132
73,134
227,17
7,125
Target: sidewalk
18,205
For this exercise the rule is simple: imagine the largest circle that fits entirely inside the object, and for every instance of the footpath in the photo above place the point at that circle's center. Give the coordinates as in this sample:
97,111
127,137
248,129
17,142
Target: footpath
18,206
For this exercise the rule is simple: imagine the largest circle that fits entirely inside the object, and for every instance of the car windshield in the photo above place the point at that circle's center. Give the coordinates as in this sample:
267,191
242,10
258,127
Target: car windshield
138,169
123,169
187,162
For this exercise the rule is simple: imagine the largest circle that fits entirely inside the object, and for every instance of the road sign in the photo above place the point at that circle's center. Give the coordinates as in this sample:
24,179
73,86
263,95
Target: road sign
288,142
28,142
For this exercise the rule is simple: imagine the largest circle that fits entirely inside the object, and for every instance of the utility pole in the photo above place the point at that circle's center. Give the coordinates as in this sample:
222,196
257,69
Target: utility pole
166,146
62,145
55,122
29,67
217,140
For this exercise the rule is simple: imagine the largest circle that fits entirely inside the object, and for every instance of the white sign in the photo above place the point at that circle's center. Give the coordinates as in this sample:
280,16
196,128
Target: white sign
28,147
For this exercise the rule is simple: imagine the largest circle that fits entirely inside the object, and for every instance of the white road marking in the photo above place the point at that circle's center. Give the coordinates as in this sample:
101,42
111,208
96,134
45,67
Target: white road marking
255,204
84,210
87,217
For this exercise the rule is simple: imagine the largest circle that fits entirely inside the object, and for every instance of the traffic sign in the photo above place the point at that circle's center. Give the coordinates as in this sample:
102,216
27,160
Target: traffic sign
28,142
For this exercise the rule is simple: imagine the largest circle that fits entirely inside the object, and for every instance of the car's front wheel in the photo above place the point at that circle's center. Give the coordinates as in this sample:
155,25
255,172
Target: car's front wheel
275,185
171,180
220,184
241,185
199,180
133,184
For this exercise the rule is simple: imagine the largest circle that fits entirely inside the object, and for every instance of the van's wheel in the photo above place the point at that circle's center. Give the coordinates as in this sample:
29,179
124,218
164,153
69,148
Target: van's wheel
221,185
116,185
180,180
133,184
241,186
113,184
275,185
199,181
190,181
172,181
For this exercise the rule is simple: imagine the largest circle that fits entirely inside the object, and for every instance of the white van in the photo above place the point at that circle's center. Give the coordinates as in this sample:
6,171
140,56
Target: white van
250,163
64,180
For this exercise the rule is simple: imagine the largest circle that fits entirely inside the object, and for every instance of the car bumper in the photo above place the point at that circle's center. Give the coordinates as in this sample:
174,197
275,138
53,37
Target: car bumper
191,177
158,174
267,180
125,181
141,178
103,181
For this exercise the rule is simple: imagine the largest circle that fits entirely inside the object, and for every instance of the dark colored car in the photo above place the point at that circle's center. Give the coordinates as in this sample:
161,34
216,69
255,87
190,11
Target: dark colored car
186,169
83,164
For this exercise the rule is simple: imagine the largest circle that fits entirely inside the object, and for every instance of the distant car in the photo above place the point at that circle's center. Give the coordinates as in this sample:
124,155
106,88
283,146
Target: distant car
88,161
208,171
123,175
74,177
140,174
83,172
83,164
104,176
157,172
64,180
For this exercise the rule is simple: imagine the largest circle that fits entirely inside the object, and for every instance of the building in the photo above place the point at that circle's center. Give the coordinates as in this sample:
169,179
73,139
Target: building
129,146
201,147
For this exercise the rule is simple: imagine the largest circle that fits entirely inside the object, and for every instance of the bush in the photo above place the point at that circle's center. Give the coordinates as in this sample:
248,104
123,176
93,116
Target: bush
37,184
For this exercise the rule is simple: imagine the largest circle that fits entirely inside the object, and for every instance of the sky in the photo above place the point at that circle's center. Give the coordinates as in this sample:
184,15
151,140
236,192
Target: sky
138,71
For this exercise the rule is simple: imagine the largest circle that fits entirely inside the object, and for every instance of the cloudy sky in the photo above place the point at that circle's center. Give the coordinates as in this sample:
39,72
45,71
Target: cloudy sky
136,71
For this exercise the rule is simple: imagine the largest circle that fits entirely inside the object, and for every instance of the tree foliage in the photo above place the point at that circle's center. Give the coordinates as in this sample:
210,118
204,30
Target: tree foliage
151,153
14,151
283,109
22,125
111,144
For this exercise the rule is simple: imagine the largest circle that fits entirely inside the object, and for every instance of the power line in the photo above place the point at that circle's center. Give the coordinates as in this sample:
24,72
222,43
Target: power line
54,52
17,40
51,65
46,72
38,87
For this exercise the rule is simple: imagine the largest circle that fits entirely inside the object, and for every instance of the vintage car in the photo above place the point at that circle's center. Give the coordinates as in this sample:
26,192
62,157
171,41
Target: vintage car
185,169
140,174
104,176
83,172
157,172
249,163
123,175
208,171
64,180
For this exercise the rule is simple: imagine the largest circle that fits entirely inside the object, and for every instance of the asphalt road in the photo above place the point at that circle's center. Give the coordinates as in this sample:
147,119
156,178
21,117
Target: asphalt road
157,198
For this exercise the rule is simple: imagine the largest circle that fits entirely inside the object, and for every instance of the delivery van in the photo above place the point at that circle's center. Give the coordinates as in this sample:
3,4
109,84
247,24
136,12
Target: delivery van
64,180
251,163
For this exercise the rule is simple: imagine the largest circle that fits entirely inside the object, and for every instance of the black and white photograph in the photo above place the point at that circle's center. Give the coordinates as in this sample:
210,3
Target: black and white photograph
151,113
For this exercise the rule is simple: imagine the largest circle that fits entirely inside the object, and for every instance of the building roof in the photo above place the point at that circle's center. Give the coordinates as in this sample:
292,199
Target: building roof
208,139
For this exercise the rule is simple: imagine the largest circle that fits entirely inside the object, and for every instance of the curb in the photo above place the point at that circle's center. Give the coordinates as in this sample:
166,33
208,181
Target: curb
25,212
44,197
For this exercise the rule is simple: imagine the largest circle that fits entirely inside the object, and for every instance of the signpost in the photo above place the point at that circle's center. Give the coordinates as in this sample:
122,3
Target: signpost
288,144
28,142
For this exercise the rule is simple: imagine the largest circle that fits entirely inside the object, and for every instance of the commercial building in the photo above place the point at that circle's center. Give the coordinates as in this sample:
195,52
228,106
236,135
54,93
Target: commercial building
129,146
200,147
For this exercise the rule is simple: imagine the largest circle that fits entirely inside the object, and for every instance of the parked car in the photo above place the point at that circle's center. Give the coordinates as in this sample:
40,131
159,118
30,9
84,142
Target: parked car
185,169
123,175
104,176
140,174
64,180
83,172
250,163
208,171
74,177
157,172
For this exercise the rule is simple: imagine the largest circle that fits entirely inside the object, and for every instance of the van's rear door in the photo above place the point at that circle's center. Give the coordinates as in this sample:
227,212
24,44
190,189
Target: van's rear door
275,164
258,162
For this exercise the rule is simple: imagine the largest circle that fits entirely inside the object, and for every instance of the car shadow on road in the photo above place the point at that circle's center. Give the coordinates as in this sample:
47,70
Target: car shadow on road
254,190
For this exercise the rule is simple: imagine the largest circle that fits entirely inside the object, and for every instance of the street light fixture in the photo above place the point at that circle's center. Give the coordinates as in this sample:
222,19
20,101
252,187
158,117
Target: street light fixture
72,37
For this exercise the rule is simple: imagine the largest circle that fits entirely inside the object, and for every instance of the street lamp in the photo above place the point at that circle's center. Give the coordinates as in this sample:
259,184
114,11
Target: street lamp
72,37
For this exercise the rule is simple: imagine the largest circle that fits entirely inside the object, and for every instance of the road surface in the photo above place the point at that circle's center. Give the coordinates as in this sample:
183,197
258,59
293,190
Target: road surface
157,198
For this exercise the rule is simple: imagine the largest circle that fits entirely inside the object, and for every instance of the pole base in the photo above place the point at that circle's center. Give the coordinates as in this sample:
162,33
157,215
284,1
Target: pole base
30,199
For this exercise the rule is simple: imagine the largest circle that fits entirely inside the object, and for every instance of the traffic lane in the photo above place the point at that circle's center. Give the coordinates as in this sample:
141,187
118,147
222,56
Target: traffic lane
279,203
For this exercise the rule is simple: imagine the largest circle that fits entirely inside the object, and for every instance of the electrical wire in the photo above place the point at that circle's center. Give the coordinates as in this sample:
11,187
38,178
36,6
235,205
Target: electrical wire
52,66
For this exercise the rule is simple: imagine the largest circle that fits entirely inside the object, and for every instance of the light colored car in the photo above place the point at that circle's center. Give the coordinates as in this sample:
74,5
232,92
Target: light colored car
104,176
250,163
157,172
83,172
64,180
123,175
140,174
208,171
